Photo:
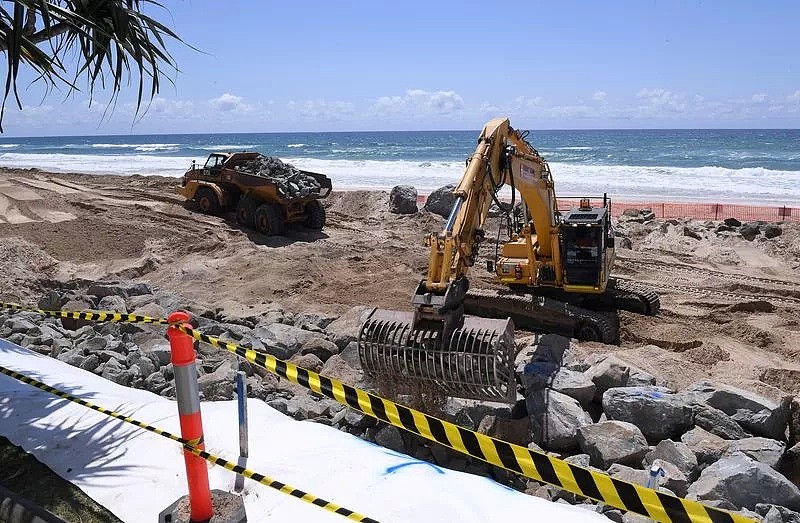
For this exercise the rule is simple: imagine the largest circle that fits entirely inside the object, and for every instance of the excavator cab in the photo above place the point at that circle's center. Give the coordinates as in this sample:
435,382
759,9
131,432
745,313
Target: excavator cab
585,244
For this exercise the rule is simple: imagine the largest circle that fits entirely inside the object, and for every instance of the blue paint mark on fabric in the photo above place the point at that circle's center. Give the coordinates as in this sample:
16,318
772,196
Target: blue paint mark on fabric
407,461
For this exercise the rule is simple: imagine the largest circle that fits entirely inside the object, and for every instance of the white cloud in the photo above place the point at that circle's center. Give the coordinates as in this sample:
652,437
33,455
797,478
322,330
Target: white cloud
794,97
599,96
758,97
38,110
660,102
334,109
231,103
659,96
170,107
420,101
524,102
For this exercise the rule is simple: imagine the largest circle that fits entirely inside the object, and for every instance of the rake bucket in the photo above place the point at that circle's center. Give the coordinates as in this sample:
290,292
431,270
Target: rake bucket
476,361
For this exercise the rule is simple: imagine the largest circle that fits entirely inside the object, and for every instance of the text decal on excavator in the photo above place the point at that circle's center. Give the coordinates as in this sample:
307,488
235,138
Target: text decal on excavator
527,173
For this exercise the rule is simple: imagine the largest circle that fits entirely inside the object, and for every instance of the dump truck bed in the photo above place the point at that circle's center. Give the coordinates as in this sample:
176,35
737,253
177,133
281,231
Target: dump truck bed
236,170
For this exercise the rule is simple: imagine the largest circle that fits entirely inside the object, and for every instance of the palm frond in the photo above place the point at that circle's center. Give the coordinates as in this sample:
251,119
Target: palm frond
111,39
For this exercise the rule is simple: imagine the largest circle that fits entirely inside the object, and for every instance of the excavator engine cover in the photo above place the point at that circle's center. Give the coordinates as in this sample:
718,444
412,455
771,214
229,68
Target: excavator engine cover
476,361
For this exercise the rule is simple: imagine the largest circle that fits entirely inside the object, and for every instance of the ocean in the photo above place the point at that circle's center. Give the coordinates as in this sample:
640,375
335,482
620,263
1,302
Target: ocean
734,166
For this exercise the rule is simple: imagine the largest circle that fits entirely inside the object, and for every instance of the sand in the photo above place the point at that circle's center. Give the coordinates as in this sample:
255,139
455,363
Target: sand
729,306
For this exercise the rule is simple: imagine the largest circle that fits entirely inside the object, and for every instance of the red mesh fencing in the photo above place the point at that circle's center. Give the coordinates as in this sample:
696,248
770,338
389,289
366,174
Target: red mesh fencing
699,210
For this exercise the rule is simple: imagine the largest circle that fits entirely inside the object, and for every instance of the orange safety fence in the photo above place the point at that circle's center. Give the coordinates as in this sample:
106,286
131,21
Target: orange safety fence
695,210
700,210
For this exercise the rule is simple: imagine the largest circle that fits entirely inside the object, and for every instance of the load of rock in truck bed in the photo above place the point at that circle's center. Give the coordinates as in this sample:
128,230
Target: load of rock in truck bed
291,181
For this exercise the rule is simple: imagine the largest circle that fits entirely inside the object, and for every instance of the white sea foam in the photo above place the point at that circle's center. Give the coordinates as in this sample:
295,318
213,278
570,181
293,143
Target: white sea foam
142,147
223,147
99,164
296,145
685,183
757,185
9,145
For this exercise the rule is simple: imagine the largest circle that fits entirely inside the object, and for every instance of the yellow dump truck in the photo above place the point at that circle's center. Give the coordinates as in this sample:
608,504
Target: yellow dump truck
265,192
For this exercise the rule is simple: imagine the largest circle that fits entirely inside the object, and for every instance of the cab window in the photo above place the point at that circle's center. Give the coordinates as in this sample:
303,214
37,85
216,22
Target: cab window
214,161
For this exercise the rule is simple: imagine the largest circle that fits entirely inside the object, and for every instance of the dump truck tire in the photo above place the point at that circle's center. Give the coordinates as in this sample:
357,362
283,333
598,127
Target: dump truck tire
315,215
206,200
269,220
246,212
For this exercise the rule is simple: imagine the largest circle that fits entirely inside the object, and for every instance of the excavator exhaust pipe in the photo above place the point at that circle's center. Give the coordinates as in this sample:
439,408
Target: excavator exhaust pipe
476,361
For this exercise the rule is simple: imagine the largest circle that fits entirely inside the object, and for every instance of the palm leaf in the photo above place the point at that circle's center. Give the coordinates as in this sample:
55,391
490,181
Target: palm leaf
111,39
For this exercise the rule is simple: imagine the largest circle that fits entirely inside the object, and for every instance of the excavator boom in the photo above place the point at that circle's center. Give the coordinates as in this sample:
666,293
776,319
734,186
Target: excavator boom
457,354
553,266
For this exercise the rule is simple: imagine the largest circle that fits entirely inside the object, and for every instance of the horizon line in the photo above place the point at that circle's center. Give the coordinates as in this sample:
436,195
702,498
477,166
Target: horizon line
413,131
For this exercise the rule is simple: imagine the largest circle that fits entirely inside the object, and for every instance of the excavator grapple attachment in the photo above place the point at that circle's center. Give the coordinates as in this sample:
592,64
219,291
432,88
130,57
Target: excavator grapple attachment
474,361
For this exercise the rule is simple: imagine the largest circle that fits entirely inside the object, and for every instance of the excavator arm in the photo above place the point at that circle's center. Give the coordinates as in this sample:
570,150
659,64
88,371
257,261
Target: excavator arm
473,356
502,157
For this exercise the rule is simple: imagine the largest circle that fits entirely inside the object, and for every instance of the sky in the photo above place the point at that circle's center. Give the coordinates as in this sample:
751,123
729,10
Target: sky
271,66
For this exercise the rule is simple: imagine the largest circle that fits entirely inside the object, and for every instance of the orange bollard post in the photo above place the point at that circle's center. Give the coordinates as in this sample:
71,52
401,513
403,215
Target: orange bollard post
188,395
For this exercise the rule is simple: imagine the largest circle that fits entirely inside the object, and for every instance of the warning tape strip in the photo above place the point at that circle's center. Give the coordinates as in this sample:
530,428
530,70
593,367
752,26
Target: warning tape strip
99,316
660,506
190,446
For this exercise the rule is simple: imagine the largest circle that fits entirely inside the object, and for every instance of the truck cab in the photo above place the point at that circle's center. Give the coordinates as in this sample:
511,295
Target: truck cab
213,164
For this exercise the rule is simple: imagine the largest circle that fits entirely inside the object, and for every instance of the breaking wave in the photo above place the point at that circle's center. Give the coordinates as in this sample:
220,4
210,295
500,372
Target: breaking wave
709,183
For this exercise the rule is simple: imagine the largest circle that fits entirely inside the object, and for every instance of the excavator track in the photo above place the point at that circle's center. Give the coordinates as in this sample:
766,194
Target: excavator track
540,313
633,297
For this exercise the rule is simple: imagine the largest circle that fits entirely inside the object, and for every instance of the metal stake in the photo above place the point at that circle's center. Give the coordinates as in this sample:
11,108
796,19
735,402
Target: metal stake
241,395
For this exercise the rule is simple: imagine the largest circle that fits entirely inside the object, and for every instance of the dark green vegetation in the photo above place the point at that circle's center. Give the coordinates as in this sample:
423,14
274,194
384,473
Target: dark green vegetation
23,474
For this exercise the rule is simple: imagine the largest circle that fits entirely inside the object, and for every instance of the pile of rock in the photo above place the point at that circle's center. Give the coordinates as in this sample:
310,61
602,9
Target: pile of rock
636,224
403,200
291,182
751,230
713,443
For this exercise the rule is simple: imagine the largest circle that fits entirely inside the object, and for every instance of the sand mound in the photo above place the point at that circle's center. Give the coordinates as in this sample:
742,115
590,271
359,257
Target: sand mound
729,306
23,265
359,204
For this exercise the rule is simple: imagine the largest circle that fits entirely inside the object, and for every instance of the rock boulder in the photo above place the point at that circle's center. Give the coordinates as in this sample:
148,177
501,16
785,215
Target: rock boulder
745,482
403,200
610,442
555,419
658,413
441,200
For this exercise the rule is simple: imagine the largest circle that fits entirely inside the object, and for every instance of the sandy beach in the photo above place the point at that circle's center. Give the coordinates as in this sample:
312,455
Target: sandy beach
729,305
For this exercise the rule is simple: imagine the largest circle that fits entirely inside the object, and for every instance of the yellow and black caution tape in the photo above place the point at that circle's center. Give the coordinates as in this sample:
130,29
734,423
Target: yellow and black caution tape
99,316
592,484
539,466
190,446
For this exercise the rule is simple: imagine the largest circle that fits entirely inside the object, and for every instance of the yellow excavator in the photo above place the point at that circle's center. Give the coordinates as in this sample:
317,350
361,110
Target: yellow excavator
555,268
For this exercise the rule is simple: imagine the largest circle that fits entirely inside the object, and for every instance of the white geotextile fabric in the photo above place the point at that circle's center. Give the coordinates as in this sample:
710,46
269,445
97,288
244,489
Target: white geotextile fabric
136,474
